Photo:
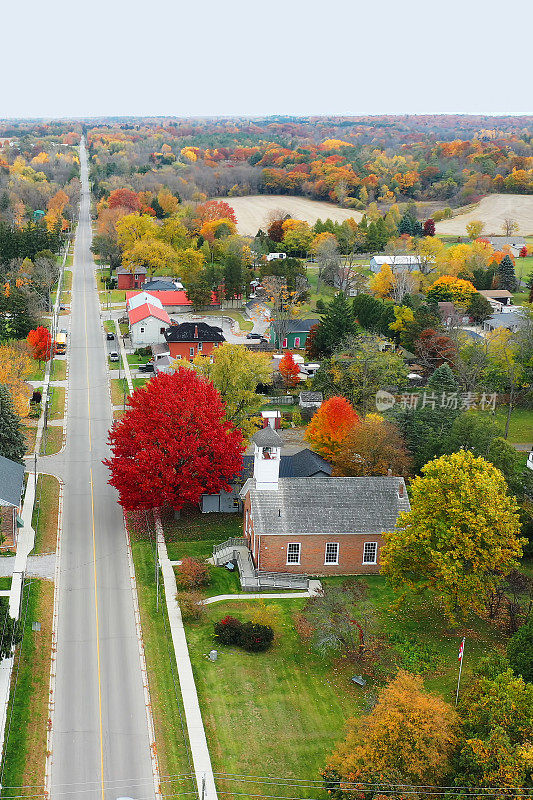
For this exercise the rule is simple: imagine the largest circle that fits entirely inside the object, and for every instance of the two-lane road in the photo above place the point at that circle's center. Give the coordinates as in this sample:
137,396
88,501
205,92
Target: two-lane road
100,746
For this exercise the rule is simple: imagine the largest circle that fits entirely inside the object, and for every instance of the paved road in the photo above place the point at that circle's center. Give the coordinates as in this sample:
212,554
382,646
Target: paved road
100,732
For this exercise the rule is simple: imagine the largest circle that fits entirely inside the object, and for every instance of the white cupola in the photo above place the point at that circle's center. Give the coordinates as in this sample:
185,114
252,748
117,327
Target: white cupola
267,454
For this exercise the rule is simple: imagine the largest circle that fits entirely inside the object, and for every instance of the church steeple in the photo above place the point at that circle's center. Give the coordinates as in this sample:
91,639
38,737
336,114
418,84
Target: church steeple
267,454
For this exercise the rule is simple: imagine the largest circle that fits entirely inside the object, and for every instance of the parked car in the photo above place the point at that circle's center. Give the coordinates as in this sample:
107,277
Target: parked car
110,337
64,330
114,356
253,336
146,368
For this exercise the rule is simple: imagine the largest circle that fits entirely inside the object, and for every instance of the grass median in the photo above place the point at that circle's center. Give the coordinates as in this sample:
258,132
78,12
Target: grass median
56,409
27,714
59,370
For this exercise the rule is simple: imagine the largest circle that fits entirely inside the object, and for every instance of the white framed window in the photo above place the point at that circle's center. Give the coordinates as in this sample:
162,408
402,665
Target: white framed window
293,552
191,351
284,343
331,555
200,345
297,342
370,553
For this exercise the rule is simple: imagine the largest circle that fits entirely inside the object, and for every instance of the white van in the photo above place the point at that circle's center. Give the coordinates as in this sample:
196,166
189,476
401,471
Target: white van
276,256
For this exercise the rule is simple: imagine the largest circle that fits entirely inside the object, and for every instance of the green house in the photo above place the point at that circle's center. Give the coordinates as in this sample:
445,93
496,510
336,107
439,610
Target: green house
297,333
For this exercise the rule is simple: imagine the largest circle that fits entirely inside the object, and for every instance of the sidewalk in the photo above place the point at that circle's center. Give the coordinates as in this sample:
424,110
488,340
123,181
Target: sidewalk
195,726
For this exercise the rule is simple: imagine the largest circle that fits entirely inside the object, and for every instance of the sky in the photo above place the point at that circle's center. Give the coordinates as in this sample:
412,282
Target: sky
255,58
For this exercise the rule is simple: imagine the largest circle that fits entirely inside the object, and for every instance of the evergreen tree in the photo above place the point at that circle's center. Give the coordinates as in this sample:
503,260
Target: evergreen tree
12,444
337,324
368,311
506,275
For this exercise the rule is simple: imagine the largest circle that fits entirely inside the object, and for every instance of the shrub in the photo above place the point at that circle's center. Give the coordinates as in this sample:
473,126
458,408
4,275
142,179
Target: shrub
296,418
192,573
268,615
228,631
255,637
143,352
520,651
191,605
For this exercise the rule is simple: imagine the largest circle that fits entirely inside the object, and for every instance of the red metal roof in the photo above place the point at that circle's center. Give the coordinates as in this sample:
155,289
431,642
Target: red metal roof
172,298
148,310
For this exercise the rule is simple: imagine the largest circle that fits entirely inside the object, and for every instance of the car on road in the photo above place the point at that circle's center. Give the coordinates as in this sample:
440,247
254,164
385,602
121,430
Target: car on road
110,337
146,368
253,336
64,331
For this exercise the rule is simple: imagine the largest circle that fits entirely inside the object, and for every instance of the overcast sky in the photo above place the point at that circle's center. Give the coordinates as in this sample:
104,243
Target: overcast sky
260,57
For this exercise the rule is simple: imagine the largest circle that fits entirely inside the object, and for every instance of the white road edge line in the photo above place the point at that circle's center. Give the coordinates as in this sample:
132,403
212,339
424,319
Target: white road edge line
144,671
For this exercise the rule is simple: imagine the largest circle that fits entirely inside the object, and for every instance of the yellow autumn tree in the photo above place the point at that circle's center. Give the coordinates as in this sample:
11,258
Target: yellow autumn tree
132,228
460,538
382,282
15,366
408,737
152,254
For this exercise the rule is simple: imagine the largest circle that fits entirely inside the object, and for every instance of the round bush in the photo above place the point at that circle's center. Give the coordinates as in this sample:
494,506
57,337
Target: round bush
228,631
192,572
255,637
520,651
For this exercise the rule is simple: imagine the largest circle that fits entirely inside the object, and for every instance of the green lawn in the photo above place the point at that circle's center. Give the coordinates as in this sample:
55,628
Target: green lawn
171,737
45,514
113,296
56,407
521,424
25,746
119,388
194,534
134,360
274,713
221,580
59,370
5,583
37,373
52,440
67,280
109,326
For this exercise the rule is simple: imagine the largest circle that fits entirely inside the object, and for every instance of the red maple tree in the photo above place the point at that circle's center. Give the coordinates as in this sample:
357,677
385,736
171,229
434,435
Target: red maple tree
289,370
173,444
212,210
330,426
124,198
40,343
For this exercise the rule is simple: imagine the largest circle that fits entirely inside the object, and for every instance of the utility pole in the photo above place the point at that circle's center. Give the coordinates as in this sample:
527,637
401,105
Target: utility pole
203,786
461,652
35,472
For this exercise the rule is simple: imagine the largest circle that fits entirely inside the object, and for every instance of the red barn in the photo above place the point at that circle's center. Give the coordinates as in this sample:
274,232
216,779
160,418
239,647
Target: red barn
193,338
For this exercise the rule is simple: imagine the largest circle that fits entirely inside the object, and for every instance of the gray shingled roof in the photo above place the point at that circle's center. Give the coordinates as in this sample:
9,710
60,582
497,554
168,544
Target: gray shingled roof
11,482
304,464
327,505
267,437
311,397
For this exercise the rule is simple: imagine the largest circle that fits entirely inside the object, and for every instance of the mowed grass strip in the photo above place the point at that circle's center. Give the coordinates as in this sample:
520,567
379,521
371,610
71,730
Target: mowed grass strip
56,408
118,390
52,440
45,514
171,737
520,425
30,434
59,370
27,715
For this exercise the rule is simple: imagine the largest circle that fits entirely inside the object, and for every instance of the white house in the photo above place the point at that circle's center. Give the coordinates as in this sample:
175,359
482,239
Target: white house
141,299
148,324
398,263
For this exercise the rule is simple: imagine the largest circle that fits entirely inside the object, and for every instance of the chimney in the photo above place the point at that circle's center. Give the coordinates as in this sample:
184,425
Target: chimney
196,331
401,488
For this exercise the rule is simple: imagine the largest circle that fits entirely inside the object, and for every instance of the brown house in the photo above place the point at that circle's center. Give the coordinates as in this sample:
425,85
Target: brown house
324,526
126,279
192,338
11,486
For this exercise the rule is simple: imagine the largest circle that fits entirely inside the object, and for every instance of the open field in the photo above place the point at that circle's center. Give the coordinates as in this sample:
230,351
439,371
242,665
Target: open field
491,210
252,212
25,747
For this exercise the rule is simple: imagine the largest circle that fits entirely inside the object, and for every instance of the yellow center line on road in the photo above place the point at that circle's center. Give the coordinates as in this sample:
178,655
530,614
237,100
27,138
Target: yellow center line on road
94,552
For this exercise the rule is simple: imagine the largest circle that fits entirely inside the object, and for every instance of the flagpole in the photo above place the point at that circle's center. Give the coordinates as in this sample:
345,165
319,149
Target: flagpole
461,654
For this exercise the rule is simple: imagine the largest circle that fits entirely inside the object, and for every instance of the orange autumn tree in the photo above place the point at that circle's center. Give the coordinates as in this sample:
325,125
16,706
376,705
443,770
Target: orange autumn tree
40,343
408,737
332,423
289,370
